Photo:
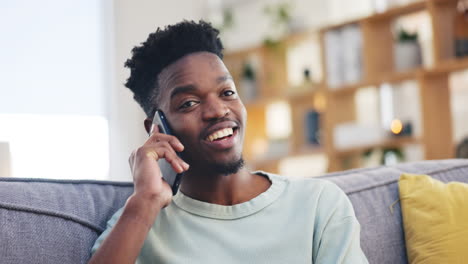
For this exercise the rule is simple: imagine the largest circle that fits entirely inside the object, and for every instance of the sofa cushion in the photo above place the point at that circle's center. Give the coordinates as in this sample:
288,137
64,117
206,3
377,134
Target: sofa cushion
435,218
373,191
55,221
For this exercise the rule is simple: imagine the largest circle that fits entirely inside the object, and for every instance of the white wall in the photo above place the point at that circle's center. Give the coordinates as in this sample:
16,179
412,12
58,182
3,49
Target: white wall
51,58
53,100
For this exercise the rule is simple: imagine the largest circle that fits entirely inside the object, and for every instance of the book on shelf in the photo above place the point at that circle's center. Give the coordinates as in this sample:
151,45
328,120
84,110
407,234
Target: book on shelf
461,29
312,127
351,135
343,53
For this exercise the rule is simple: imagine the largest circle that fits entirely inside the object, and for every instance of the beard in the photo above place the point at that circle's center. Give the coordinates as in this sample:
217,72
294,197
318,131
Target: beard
227,168
224,168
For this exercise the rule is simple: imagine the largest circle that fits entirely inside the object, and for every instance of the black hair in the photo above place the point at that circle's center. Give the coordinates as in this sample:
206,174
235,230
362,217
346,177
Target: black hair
161,49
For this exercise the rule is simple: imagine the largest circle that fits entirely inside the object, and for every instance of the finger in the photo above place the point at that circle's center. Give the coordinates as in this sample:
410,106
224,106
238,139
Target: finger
176,162
172,158
161,150
173,141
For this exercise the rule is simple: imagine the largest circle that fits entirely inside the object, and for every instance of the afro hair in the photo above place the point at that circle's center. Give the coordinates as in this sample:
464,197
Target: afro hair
162,48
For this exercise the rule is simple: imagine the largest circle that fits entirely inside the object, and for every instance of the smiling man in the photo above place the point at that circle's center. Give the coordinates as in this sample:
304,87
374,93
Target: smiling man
223,213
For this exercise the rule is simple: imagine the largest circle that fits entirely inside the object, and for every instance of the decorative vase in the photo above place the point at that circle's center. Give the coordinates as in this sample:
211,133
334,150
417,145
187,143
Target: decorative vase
407,55
248,89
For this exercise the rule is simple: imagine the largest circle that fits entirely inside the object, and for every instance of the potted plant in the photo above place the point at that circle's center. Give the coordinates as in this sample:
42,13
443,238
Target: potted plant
249,84
407,52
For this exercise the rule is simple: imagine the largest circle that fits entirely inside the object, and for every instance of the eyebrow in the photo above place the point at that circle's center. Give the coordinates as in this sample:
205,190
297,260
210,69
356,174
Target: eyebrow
224,78
182,89
191,88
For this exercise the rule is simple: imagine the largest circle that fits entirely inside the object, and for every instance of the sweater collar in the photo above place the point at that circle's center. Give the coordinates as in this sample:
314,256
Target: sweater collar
244,209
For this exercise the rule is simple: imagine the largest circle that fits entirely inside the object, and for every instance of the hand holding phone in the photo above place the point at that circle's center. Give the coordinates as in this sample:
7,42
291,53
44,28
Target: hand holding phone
168,173
148,175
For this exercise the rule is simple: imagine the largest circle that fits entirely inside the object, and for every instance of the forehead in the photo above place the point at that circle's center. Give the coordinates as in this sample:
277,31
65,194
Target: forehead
190,69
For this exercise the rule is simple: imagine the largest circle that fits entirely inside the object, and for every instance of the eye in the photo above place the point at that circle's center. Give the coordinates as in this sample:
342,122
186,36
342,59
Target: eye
187,104
229,93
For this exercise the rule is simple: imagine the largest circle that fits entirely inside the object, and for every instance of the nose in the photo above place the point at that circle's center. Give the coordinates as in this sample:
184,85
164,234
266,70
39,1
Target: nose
214,108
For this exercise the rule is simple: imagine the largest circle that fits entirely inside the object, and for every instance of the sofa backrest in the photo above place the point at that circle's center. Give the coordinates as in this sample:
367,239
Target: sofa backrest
56,221
52,221
372,193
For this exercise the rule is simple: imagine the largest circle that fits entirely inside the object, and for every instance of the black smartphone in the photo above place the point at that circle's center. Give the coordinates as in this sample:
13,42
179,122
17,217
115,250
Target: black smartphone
170,176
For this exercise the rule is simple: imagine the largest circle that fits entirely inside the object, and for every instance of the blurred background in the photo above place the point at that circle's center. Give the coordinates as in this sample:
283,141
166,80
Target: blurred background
328,85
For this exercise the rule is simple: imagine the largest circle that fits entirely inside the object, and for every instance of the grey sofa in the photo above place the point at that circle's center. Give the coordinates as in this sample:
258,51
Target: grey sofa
51,221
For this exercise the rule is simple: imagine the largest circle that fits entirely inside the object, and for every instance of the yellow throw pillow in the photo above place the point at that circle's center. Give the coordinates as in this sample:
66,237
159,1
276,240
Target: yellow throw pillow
435,219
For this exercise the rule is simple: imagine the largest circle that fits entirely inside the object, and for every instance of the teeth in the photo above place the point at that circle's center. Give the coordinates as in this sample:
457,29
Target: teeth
220,133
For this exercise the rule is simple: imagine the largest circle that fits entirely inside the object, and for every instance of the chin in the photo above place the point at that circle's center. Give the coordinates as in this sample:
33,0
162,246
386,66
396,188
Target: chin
227,168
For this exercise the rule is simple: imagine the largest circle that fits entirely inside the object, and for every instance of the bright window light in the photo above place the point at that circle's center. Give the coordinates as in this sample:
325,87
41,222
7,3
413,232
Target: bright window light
386,104
458,99
278,120
304,166
56,146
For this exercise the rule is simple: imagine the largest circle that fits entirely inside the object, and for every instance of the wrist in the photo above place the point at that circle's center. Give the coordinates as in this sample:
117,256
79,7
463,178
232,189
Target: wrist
142,208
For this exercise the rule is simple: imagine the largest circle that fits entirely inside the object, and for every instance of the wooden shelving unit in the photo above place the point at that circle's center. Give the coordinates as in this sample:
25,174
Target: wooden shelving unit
389,143
338,105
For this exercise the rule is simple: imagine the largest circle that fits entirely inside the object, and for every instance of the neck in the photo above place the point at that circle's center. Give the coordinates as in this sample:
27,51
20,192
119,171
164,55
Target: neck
223,189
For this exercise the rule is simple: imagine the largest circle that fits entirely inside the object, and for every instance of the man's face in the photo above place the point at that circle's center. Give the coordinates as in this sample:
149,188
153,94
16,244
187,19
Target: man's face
201,103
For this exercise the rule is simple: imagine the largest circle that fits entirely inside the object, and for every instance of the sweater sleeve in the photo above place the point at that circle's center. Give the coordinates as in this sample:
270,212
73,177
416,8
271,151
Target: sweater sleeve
110,225
337,231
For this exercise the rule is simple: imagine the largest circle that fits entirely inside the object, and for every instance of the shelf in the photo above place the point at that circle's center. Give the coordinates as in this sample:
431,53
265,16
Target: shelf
398,11
448,66
297,37
302,94
340,25
282,97
348,89
307,150
389,143
438,2
264,101
395,77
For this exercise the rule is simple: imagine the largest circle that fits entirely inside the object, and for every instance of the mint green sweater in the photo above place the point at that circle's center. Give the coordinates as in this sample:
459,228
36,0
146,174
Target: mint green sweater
294,221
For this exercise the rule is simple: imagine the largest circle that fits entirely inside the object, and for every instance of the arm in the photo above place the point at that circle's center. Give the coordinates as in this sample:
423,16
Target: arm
338,231
126,238
151,194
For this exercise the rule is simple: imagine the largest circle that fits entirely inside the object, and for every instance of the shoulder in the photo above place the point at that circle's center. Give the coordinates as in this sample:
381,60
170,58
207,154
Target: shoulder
309,186
327,197
319,191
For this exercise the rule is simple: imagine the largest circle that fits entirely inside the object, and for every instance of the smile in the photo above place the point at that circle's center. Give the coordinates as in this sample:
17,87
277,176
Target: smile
223,139
220,134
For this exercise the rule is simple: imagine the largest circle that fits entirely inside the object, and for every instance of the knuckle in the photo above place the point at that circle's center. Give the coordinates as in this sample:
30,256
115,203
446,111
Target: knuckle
140,152
172,138
165,145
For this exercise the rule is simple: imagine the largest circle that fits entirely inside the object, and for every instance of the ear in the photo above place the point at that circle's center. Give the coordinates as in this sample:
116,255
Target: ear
147,124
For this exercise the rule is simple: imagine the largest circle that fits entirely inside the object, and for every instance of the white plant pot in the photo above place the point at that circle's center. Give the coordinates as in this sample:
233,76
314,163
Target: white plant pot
407,55
248,89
